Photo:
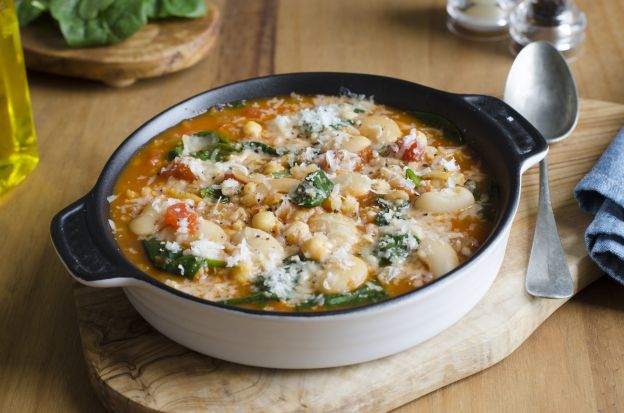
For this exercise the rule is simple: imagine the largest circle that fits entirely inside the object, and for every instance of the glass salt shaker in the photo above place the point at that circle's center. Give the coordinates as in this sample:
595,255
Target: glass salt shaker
479,19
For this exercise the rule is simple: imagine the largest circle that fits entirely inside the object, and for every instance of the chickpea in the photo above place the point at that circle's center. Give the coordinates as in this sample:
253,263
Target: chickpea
332,203
273,167
300,172
297,232
252,194
350,206
316,248
252,129
398,195
264,220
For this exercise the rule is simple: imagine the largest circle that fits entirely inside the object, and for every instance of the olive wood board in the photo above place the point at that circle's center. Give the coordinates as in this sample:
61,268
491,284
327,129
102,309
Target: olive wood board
133,368
158,48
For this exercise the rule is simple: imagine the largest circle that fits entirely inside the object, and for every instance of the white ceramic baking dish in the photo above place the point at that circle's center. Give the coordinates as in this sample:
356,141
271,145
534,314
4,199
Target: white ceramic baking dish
506,141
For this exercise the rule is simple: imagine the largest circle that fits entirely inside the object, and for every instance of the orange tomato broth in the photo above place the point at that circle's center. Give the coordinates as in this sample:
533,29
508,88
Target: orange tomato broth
228,121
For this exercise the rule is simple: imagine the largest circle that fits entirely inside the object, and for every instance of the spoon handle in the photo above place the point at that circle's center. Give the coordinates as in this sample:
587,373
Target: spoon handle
548,274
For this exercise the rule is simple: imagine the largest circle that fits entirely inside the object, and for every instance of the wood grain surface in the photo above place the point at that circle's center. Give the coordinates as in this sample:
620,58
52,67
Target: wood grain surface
157,49
574,362
133,368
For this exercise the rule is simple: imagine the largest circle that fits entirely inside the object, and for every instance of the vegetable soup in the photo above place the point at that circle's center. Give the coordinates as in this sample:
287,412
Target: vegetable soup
303,203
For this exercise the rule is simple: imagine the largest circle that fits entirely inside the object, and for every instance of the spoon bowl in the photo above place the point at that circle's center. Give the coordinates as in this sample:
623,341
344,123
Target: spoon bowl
541,87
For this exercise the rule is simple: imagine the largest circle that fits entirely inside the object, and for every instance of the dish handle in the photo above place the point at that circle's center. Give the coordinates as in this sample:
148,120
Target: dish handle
82,257
528,145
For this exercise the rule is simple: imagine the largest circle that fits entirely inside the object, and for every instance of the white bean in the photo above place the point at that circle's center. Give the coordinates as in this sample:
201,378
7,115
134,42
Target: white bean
439,256
447,200
342,275
356,143
211,231
354,184
380,129
146,223
340,230
266,248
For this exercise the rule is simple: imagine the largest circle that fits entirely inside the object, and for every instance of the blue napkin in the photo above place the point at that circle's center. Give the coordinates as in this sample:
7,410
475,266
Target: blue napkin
601,192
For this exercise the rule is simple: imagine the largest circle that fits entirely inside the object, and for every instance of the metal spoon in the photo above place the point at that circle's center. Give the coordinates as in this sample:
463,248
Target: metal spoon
540,86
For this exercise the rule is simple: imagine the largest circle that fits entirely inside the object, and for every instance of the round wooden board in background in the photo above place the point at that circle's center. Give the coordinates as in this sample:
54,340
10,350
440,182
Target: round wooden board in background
133,368
157,49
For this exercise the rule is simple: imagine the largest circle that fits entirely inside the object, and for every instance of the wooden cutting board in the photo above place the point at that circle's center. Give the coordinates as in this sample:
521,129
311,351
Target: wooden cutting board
157,49
133,368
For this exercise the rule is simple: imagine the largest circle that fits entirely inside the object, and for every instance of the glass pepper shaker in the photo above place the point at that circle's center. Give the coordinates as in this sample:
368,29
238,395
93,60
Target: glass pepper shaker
559,22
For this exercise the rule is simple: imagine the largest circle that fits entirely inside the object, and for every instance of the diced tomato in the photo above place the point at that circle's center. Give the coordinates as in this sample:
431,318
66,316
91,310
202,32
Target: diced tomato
413,153
180,171
176,213
409,154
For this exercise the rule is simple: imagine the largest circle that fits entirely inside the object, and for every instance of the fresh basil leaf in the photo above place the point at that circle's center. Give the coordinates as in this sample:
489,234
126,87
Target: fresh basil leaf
358,110
432,120
313,190
97,22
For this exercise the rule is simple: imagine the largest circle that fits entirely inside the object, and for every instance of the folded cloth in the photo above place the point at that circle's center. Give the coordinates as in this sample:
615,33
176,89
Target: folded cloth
601,192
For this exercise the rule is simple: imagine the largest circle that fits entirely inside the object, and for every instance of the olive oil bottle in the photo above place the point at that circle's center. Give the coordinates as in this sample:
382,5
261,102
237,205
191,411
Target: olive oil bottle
18,145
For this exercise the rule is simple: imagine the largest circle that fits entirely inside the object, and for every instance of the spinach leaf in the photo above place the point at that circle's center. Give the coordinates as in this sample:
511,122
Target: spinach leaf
370,292
175,262
260,297
215,137
392,248
160,256
159,9
219,148
175,152
237,104
213,193
432,120
313,190
97,22
29,10
264,148
411,175
185,265
388,211
217,152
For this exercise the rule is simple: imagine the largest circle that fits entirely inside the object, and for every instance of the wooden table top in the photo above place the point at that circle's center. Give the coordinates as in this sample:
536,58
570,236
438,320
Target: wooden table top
573,362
